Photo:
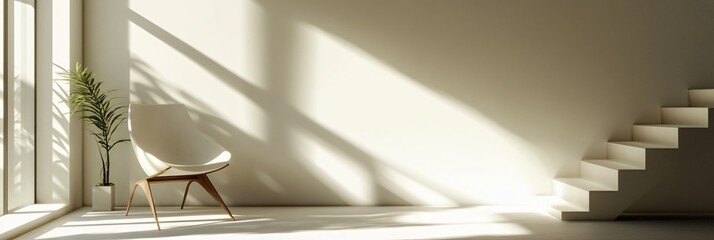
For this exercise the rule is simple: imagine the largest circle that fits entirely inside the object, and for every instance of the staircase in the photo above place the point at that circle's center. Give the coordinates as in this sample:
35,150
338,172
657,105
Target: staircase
607,187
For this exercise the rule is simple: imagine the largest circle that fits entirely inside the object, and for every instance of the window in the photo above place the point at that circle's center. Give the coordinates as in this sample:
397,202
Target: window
18,104
37,133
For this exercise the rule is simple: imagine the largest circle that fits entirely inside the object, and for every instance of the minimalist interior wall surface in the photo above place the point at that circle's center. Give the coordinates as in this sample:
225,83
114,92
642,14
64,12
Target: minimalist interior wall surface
106,53
397,102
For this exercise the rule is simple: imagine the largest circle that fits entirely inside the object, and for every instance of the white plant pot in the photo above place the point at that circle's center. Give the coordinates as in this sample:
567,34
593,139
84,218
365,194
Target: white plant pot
103,198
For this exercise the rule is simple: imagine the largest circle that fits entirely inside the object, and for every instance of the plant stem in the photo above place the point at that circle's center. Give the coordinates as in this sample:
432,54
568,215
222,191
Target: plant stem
106,181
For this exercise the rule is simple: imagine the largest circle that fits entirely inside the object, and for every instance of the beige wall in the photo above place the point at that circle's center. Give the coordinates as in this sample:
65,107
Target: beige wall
398,102
105,44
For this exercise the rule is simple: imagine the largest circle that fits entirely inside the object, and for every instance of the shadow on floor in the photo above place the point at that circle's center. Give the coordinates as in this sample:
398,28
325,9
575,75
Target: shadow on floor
481,222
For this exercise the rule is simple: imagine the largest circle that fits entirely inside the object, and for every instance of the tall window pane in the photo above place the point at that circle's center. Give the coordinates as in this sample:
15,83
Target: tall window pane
3,206
21,158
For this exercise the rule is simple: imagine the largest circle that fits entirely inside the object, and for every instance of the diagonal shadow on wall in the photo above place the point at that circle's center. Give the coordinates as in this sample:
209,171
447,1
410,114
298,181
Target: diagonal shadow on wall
274,102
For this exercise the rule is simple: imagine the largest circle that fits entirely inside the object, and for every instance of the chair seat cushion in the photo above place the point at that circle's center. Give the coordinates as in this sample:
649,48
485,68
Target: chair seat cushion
194,170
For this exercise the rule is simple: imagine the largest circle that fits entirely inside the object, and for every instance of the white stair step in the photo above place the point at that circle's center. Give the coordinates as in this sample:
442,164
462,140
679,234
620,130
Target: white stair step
656,134
633,152
646,145
701,97
584,184
556,206
626,153
605,172
690,116
670,125
614,164
577,190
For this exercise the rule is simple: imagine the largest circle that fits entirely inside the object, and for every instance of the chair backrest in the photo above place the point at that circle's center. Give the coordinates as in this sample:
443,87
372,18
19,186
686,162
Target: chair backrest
165,133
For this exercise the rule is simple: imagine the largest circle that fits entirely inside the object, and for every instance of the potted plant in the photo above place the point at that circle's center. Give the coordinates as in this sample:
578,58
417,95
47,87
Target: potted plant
97,108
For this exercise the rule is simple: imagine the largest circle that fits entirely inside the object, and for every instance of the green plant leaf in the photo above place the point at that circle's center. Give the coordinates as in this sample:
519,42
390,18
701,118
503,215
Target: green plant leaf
97,109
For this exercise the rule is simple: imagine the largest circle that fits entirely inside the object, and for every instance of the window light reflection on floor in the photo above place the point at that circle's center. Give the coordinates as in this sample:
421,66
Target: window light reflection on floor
26,215
295,223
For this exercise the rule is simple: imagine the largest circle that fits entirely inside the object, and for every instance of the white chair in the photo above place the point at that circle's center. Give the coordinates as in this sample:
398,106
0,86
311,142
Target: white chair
165,136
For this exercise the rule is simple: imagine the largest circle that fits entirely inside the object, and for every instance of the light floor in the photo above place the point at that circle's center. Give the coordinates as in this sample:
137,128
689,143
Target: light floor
369,223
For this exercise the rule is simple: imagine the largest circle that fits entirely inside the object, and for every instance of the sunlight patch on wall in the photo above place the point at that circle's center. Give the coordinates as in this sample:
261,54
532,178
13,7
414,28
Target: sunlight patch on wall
411,190
438,141
236,110
208,70
269,181
349,178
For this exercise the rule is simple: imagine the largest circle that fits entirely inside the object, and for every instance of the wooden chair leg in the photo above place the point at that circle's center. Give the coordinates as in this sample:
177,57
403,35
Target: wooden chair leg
206,184
131,197
185,193
147,190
